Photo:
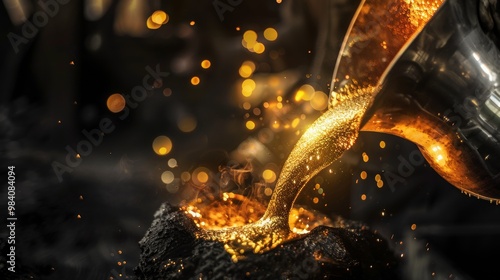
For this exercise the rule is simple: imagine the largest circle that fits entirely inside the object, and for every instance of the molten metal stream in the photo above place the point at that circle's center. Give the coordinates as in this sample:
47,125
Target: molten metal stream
324,142
336,130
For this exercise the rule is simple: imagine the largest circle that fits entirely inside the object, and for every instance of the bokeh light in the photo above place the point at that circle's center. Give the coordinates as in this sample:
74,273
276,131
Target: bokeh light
159,17
172,163
246,69
270,34
305,92
380,184
258,48
187,124
173,187
250,42
366,158
247,87
151,25
319,101
162,145
268,191
269,176
195,80
250,125
167,177
200,175
116,103
247,105
382,144
250,36
167,92
205,64
185,176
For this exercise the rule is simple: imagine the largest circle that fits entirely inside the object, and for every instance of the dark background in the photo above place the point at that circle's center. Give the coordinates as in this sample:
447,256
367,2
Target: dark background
57,84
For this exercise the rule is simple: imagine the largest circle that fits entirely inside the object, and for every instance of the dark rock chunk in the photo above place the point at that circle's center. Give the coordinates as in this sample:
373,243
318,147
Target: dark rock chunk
170,250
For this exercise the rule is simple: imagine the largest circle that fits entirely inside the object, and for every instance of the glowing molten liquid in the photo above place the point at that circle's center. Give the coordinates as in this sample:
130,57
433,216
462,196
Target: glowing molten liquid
238,210
380,31
323,143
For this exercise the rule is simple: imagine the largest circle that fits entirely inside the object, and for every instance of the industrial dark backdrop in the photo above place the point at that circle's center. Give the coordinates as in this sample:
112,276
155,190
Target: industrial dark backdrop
82,219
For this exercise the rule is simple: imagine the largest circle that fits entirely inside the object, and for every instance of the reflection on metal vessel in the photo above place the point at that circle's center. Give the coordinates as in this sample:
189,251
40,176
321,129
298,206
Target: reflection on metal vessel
439,90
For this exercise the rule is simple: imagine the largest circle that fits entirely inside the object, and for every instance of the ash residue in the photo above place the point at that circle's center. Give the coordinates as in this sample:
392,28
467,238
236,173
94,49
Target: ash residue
170,250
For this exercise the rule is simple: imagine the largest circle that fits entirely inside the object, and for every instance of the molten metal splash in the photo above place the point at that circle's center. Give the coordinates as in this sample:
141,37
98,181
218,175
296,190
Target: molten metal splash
235,210
324,142
365,56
